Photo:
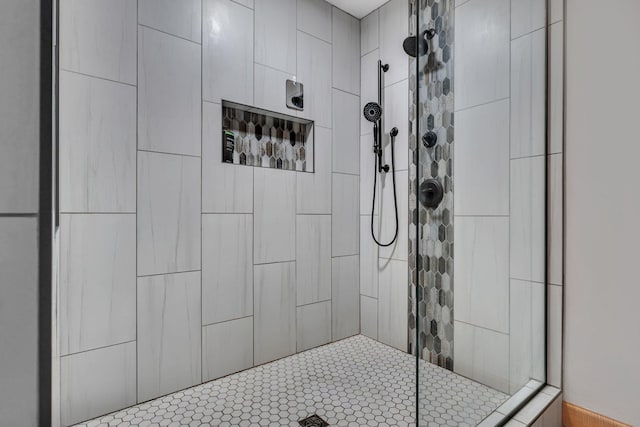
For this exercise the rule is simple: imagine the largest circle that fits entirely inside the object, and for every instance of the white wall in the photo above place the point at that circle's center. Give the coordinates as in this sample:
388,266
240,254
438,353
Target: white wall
19,144
602,333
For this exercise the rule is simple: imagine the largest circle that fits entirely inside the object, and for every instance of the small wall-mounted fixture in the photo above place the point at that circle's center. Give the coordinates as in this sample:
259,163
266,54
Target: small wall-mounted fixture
295,95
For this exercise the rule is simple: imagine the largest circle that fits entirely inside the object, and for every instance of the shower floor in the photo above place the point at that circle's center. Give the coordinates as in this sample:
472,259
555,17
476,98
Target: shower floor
354,382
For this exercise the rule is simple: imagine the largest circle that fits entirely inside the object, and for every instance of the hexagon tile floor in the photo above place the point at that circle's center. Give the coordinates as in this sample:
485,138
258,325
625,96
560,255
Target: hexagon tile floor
353,382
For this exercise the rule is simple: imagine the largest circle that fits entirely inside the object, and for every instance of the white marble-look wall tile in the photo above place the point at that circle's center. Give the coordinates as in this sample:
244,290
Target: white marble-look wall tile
393,300
269,87
527,227
97,382
367,171
482,53
369,30
227,267
528,95
18,319
168,213
275,34
98,37
275,216
521,334
169,328
556,11
400,247
227,348
314,189
227,34
314,71
481,271
346,134
314,17
346,52
368,257
97,145
368,88
527,16
275,311
554,335
225,188
169,93
345,219
313,258
345,297
182,19
482,355
555,224
369,316
396,114
538,332
97,281
481,160
556,88
394,28
246,3
313,325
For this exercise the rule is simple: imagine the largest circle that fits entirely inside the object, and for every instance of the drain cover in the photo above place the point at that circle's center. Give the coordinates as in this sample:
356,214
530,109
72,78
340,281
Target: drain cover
313,421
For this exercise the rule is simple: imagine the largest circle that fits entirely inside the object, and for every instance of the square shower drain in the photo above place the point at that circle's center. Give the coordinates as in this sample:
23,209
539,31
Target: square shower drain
313,421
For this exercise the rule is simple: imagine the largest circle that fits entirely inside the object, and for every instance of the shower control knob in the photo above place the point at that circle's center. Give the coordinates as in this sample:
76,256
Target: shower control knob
431,193
429,139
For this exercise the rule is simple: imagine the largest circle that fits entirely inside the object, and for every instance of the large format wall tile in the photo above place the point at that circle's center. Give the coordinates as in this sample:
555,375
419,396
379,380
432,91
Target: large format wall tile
527,16
369,316
394,28
168,213
97,281
481,53
481,160
555,223
270,92
481,271
482,355
345,297
275,311
227,52
18,320
367,171
313,325
169,94
345,218
314,71
182,19
527,227
97,382
227,267
275,34
346,52
346,134
400,247
275,216
369,32
98,37
313,258
368,89
528,95
314,189
368,257
556,88
396,114
97,145
393,300
314,17
227,347
169,328
226,188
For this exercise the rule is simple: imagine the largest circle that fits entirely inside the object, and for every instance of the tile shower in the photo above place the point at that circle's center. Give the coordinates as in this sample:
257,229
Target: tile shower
177,269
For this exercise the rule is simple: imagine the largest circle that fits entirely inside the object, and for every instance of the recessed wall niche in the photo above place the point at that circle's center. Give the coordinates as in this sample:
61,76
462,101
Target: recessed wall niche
256,137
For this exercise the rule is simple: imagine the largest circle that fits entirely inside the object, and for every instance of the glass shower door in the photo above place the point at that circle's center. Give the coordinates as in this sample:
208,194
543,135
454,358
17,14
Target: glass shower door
477,208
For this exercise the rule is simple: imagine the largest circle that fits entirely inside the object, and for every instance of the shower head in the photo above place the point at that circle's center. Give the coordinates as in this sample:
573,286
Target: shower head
372,112
418,46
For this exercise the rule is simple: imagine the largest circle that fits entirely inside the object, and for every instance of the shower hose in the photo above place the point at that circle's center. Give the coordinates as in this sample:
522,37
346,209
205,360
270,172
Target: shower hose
395,199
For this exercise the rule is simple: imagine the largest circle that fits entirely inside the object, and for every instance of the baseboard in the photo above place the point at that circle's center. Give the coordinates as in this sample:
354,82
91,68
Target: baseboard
575,416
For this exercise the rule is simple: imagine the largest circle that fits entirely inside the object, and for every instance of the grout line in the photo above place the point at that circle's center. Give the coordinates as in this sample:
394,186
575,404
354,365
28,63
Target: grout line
495,101
481,327
170,34
101,78
314,36
98,348
167,274
227,321
167,153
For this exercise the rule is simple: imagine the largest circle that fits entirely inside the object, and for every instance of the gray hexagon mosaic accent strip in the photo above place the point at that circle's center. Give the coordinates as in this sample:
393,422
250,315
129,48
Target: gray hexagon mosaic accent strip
354,382
265,141
431,268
